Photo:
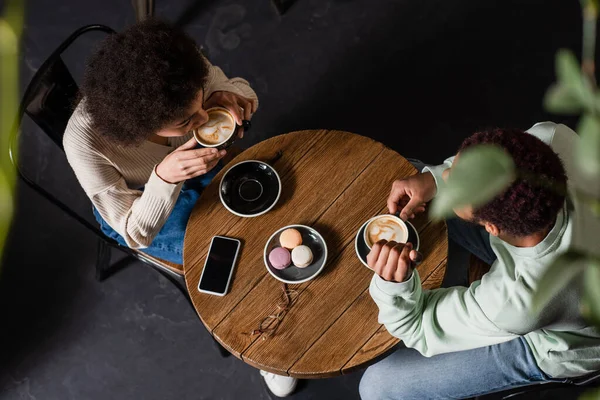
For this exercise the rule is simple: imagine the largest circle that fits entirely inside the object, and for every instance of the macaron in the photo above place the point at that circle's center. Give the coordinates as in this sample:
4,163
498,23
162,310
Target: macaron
302,256
280,258
290,238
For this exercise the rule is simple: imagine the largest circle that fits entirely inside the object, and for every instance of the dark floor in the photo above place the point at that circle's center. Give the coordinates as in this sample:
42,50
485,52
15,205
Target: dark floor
416,75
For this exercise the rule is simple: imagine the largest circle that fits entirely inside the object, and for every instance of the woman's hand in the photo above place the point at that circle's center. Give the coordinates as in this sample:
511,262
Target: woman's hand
187,162
240,107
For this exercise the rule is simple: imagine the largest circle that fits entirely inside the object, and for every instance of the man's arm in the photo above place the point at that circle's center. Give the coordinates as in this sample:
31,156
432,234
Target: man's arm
438,170
438,321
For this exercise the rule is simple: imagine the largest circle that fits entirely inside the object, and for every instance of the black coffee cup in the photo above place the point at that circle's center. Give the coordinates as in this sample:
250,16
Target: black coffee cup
224,116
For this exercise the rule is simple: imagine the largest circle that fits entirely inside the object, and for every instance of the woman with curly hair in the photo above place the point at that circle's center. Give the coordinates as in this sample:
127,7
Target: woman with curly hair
129,140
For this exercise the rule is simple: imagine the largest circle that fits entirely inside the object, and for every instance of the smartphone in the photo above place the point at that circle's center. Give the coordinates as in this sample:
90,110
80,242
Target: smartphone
218,268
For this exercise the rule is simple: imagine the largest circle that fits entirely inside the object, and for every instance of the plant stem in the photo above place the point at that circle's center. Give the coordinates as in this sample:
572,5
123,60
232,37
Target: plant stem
590,18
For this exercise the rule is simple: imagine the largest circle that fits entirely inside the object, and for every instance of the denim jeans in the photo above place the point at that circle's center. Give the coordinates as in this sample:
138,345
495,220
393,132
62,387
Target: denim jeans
168,243
406,374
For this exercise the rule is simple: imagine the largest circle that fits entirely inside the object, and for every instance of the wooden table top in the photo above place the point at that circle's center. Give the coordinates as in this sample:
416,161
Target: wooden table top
333,181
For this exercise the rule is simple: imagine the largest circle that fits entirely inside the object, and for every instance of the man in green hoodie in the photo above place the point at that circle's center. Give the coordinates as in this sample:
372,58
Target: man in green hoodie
467,341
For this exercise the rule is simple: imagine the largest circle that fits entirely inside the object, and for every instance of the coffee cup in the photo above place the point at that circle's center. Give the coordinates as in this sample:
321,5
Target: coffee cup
220,131
385,227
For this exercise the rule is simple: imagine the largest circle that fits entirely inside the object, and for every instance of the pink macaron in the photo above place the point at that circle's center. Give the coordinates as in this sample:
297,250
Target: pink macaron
280,258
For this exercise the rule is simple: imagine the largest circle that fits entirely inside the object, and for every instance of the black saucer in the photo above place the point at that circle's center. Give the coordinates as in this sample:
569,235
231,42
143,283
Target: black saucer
250,188
361,247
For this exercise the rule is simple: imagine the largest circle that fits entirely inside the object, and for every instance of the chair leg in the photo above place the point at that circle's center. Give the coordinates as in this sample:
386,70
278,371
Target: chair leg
222,350
103,260
179,283
104,268
282,5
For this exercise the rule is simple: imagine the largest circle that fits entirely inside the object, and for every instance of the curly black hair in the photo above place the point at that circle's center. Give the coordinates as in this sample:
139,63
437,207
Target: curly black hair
140,80
532,201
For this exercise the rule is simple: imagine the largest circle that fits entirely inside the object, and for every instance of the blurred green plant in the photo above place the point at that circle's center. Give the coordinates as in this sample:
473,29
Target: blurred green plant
11,26
576,92
468,185
484,172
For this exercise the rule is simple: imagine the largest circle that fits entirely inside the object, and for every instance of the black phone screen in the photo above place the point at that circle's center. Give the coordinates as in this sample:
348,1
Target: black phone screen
220,262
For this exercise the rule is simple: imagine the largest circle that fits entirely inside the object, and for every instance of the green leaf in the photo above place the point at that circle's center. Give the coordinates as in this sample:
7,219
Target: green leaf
591,293
569,75
597,102
558,275
562,99
478,174
595,207
11,26
6,208
588,146
568,70
592,394
590,3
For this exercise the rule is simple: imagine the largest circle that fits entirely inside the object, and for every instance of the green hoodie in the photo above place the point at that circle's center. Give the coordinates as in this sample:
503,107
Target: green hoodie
496,308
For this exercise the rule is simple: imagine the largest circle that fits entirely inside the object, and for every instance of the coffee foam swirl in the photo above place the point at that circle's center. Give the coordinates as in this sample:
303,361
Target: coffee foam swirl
386,229
217,129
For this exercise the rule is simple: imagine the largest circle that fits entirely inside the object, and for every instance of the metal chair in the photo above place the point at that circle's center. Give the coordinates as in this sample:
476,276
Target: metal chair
49,101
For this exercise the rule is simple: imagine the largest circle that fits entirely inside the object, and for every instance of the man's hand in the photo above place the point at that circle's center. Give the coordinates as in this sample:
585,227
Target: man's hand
393,261
410,195
187,162
240,107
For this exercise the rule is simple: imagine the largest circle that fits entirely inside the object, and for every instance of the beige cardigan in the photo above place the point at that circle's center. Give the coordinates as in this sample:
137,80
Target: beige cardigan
112,175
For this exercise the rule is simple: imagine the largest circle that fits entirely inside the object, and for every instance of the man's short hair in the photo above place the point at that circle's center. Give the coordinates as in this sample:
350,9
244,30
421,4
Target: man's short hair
532,202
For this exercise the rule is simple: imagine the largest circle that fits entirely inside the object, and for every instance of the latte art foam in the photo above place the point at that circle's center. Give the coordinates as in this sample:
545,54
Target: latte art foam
219,127
385,228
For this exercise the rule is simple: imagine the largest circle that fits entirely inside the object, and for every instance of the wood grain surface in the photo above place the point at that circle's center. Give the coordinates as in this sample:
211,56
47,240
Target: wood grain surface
333,181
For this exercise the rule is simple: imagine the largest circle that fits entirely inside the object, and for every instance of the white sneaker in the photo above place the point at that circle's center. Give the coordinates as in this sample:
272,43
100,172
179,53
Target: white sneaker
280,386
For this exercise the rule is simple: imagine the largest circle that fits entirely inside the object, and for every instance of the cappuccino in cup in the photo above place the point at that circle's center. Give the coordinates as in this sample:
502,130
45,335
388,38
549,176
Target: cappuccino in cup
385,227
219,128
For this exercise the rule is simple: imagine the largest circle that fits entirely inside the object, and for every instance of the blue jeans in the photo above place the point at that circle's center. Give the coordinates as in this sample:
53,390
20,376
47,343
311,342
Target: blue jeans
406,374
168,243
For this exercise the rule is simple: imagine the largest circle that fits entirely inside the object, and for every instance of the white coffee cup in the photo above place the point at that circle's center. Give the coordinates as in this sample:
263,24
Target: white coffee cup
220,131
385,227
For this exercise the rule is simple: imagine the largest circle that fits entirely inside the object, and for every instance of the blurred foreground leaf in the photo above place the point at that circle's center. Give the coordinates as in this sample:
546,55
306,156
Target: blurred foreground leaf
562,99
562,271
588,147
573,91
593,394
568,71
11,25
479,174
591,294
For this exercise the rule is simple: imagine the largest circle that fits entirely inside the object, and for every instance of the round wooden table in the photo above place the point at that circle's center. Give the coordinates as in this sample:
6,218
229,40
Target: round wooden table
333,181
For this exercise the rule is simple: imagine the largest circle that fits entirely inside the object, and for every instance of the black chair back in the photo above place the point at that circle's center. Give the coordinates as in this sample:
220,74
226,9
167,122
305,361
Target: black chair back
50,97
51,106
49,101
